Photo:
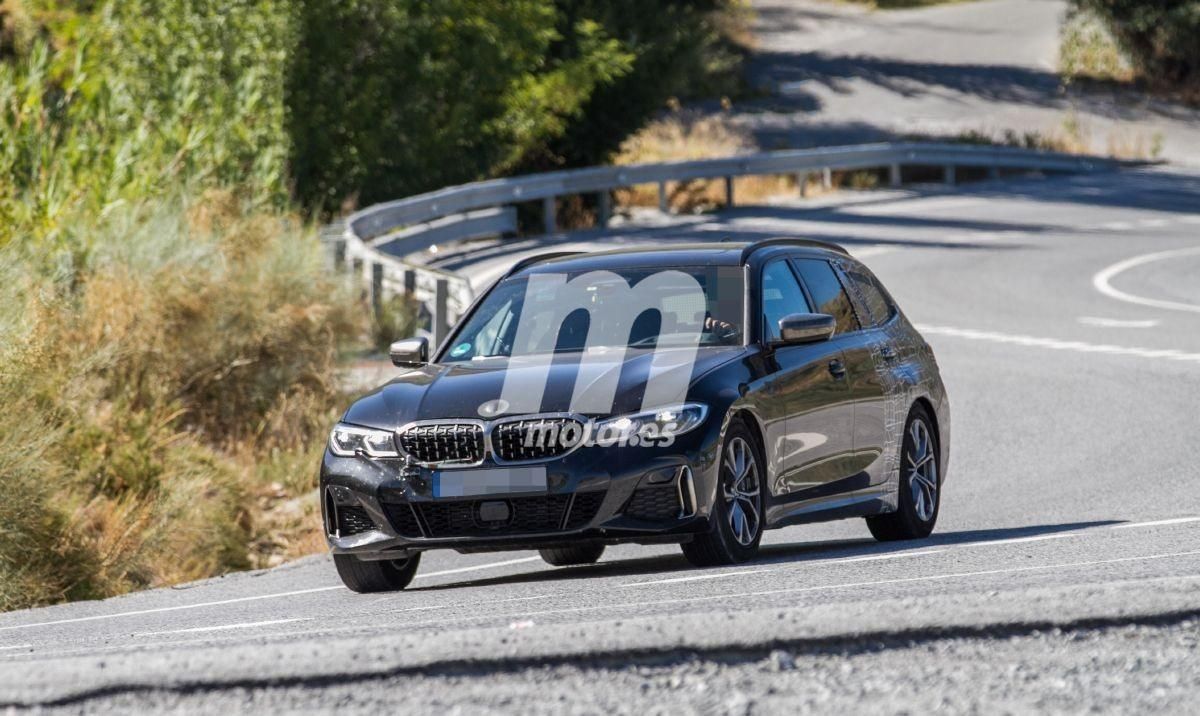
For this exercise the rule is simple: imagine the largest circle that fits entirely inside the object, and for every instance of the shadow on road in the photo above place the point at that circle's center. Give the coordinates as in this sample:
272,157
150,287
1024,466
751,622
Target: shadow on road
773,554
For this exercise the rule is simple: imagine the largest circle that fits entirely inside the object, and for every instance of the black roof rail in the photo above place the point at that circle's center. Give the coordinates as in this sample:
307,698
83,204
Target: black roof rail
785,241
531,260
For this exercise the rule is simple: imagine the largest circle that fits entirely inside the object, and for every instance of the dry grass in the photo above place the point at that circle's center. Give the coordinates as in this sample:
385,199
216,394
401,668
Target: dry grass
1088,51
683,136
168,385
1074,136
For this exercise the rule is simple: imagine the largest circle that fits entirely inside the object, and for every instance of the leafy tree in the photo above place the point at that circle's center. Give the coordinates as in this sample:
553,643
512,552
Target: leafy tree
390,97
1161,37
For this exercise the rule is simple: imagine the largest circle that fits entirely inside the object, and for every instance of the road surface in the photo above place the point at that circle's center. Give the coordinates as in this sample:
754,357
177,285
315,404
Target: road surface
836,73
1064,573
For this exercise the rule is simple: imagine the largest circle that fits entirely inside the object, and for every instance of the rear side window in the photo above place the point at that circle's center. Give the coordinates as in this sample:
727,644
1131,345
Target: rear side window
827,293
879,309
781,296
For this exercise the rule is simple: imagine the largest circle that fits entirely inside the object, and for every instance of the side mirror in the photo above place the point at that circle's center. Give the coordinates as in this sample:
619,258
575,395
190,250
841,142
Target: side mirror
797,328
409,352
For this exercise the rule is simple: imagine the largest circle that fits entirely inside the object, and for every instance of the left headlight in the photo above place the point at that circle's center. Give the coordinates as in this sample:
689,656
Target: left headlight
656,427
350,440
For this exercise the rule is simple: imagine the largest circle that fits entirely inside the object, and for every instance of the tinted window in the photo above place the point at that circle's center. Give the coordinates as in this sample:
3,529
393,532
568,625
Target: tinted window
879,309
827,293
781,296
561,316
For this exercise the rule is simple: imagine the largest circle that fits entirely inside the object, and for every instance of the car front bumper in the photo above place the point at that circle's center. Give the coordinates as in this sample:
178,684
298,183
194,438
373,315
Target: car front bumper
384,508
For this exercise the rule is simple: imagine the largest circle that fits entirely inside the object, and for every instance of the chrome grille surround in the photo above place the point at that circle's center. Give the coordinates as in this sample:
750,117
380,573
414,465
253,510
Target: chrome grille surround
444,442
535,438
465,442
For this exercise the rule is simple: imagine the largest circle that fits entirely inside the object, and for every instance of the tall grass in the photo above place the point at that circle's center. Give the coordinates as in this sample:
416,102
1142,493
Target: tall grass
147,381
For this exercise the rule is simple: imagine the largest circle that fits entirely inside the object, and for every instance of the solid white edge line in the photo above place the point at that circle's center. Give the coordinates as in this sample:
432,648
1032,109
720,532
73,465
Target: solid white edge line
1156,523
177,608
477,567
1018,540
697,578
222,627
1118,322
1102,280
16,646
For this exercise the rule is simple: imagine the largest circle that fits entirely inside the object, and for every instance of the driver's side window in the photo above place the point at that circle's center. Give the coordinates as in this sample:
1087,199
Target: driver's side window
781,296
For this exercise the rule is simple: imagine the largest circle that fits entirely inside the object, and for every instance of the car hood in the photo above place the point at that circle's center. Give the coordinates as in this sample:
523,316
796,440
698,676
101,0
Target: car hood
457,390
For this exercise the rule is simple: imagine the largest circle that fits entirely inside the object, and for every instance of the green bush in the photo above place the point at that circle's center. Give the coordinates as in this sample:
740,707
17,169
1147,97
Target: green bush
145,383
1161,39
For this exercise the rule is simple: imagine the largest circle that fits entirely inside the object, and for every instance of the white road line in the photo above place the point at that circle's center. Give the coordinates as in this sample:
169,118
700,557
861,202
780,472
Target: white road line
1056,344
16,646
697,578
222,627
1117,322
1018,540
811,563
854,585
1153,223
477,567
1102,281
869,251
869,558
1117,226
178,608
1156,523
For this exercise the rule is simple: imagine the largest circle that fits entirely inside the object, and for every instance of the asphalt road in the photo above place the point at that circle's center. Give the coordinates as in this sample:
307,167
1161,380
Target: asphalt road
836,73
1064,574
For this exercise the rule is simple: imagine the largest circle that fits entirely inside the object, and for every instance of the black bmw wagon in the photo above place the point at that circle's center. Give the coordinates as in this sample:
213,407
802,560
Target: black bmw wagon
696,394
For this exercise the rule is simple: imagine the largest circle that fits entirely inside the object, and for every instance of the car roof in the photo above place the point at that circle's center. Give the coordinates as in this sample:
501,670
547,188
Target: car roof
722,253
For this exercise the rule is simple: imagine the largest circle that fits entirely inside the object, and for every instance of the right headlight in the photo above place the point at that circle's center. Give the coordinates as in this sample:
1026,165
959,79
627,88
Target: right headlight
351,440
655,427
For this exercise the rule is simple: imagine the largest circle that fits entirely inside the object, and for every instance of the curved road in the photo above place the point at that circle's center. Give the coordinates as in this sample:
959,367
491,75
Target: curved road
1064,574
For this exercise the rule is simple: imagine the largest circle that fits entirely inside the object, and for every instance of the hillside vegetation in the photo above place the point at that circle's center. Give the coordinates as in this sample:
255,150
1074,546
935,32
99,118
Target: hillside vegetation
169,334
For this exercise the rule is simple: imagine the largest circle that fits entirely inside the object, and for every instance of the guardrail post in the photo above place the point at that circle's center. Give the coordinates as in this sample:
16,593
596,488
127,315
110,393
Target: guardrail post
894,175
604,212
826,178
356,269
802,182
376,287
729,192
339,254
410,282
663,206
548,218
441,317
948,173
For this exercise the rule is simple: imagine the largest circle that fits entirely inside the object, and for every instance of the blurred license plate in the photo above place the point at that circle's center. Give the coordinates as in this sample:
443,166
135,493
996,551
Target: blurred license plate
489,481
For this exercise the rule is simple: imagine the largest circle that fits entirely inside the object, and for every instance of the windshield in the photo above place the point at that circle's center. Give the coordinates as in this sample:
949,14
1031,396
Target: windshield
605,309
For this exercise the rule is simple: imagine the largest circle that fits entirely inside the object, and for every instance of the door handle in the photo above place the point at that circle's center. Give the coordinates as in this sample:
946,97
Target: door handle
888,353
837,368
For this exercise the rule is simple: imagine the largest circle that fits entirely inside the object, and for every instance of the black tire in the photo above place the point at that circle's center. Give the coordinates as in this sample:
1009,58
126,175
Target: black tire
572,554
365,577
907,522
721,544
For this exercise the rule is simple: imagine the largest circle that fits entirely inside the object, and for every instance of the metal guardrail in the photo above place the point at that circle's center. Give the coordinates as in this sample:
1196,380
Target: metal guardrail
374,240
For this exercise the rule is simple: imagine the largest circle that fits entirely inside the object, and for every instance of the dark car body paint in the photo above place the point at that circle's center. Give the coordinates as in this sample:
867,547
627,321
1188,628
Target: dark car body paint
786,392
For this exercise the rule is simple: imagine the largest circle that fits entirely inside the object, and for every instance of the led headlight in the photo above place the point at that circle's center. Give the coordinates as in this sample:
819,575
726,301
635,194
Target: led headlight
349,440
654,427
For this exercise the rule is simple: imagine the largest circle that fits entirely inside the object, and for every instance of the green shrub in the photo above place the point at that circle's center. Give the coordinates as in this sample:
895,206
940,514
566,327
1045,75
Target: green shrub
146,376
1161,39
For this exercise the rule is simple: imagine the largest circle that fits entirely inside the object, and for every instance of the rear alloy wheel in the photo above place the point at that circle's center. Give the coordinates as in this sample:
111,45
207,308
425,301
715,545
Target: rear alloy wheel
738,515
376,576
920,484
572,555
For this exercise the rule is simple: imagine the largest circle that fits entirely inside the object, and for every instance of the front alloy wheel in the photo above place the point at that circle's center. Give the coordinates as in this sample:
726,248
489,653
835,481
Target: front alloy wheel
737,518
